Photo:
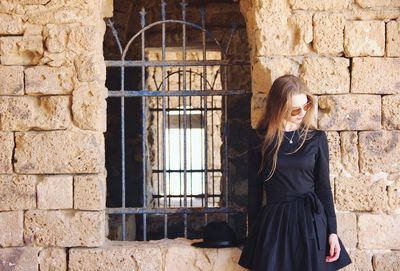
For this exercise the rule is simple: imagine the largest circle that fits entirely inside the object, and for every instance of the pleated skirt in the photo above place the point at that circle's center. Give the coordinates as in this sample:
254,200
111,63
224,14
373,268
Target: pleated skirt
280,240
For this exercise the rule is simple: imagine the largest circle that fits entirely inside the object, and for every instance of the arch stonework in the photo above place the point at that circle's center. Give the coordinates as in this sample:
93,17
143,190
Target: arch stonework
52,120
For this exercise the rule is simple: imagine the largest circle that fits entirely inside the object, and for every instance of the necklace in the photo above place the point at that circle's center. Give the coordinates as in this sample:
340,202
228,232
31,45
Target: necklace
290,139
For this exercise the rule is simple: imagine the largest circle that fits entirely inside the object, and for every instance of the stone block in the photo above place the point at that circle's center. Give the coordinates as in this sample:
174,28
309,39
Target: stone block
49,80
11,24
326,75
11,80
375,75
61,14
266,69
393,38
379,151
386,261
64,228
19,259
56,37
361,193
21,50
90,68
349,112
90,192
364,38
18,192
379,231
319,5
89,107
347,228
378,3
394,196
55,192
391,112
328,33
83,38
40,113
30,2
334,154
258,102
133,256
59,152
53,259
349,150
6,152
361,260
11,229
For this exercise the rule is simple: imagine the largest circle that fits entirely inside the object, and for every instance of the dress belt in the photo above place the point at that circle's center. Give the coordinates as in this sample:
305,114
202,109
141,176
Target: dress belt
316,224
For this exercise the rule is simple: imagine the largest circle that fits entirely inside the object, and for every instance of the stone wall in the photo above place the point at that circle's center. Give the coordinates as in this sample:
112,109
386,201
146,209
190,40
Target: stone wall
52,119
348,54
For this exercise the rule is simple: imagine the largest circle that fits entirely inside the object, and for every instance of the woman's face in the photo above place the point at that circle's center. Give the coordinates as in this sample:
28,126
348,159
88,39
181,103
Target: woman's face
297,105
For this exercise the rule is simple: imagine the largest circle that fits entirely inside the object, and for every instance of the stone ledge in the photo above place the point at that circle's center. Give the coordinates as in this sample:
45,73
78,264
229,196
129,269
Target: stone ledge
154,255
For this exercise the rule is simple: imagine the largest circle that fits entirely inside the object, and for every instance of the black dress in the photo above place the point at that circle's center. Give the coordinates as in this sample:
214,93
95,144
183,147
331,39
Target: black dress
290,233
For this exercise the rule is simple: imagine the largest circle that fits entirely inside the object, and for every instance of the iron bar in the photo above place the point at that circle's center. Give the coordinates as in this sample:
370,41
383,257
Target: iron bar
165,211
174,63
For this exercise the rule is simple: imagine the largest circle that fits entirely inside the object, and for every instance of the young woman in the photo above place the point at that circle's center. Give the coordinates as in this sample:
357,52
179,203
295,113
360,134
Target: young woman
289,159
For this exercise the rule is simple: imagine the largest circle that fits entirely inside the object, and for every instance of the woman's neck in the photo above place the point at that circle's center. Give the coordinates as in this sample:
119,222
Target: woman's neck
288,126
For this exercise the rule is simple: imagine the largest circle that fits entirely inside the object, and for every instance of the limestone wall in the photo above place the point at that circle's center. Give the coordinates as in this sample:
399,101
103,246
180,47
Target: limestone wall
348,54
52,119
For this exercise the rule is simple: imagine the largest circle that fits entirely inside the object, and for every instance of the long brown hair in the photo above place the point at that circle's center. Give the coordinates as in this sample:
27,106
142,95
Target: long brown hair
276,109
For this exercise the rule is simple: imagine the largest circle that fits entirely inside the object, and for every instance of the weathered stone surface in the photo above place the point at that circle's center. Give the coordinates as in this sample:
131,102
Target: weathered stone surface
6,150
319,5
361,260
90,192
90,68
56,38
379,151
133,256
164,254
64,228
30,2
266,69
378,3
39,113
364,38
59,152
89,107
386,261
349,112
18,192
48,80
11,229
55,192
21,50
326,75
10,24
53,259
385,229
334,154
258,102
348,144
394,195
19,259
375,75
61,14
347,228
328,33
83,38
391,111
11,80
393,38
361,193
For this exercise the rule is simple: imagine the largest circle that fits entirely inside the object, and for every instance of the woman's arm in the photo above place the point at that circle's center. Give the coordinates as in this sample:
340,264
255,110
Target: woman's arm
322,181
255,191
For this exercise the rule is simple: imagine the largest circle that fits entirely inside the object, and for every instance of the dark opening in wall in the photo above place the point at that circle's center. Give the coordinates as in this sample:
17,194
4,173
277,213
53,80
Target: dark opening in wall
185,118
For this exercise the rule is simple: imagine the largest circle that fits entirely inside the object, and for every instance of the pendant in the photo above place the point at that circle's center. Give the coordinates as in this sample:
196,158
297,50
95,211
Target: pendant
291,141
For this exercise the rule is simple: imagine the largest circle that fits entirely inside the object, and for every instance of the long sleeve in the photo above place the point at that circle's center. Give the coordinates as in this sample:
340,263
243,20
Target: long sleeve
322,182
255,191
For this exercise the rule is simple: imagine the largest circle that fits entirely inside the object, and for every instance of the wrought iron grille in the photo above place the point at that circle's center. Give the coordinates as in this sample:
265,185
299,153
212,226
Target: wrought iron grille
183,133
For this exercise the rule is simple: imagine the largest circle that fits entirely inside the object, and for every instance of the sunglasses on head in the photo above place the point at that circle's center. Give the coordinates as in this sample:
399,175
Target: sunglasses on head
297,110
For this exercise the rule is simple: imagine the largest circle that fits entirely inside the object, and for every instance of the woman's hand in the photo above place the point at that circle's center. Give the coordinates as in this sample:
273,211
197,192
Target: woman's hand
334,250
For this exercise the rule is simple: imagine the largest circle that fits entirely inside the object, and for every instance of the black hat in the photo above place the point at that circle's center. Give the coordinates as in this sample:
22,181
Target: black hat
217,235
